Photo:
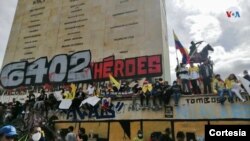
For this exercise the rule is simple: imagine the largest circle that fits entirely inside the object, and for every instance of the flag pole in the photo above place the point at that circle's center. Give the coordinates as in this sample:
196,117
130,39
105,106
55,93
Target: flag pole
176,52
177,68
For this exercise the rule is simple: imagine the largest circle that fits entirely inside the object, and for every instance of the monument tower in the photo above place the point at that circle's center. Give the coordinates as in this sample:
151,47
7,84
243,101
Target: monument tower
122,28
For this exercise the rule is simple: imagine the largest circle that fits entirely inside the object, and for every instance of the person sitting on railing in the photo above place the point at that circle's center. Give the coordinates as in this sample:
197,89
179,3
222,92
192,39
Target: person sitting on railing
80,93
229,82
30,102
109,88
135,87
157,94
237,89
70,94
106,106
176,89
40,100
76,102
91,90
219,86
167,92
145,94
122,87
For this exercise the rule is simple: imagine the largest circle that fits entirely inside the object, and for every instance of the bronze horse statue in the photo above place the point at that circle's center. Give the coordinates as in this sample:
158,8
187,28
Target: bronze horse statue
202,56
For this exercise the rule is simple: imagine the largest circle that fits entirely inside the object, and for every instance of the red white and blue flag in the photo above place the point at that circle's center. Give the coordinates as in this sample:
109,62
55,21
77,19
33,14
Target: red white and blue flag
184,52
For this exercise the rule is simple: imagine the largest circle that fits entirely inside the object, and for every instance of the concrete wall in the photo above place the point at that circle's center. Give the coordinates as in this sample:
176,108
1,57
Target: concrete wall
190,107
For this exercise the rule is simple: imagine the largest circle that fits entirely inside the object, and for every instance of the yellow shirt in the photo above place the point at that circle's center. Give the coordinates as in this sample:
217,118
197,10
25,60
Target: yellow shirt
68,95
229,83
193,69
147,87
219,84
194,72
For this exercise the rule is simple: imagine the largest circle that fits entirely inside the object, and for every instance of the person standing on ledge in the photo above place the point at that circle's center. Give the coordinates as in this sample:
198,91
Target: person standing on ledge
246,75
206,73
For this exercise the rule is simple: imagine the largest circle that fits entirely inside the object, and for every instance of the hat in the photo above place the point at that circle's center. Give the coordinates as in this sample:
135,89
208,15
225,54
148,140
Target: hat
8,130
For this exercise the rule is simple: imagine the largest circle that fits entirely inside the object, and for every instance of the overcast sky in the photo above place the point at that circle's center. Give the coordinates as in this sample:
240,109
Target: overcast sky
192,20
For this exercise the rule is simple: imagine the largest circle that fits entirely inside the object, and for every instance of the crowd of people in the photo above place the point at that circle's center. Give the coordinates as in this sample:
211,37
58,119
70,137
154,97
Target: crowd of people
212,83
9,133
155,93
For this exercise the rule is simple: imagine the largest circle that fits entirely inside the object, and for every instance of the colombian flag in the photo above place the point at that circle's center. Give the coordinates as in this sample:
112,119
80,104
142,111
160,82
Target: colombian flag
184,52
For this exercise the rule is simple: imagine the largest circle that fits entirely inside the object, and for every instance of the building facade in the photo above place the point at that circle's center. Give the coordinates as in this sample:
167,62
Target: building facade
120,28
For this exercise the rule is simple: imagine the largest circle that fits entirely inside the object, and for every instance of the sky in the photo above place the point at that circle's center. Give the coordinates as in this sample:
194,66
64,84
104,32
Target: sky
192,20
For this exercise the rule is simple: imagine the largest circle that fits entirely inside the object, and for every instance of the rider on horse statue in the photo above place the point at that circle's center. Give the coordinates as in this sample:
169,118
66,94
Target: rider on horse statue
193,48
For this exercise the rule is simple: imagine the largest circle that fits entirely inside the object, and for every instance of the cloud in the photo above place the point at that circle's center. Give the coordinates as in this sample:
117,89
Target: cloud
206,20
234,61
225,62
203,27
7,11
206,6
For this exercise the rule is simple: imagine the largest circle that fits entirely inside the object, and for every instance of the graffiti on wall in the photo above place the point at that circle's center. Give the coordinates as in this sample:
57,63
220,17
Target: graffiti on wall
128,110
77,67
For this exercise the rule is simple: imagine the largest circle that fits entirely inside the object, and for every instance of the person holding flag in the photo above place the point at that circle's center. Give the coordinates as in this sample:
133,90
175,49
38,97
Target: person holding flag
115,82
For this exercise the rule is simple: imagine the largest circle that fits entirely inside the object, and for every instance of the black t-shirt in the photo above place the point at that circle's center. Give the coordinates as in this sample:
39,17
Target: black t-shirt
76,102
176,88
31,97
42,97
247,77
158,86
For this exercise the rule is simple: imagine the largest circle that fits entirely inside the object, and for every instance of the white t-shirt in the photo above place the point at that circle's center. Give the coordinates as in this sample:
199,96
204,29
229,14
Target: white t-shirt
70,137
184,76
237,87
90,90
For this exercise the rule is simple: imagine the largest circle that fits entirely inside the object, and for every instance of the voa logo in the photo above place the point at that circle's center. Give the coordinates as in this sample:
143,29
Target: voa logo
233,14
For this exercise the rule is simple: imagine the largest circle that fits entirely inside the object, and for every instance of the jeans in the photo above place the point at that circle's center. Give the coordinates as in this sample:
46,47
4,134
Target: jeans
176,97
144,96
157,95
221,94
